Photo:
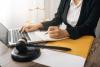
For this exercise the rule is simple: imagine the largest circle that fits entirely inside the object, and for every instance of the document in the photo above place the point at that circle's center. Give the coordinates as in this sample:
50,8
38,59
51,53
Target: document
39,36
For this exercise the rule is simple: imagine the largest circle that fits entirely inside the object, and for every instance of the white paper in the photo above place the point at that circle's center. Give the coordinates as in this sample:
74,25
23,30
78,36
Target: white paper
59,59
41,36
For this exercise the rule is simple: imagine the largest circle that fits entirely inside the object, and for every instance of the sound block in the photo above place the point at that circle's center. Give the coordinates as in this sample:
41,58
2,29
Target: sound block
31,54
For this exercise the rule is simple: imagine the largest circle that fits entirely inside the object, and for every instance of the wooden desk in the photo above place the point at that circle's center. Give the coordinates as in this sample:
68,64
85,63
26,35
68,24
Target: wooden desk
93,59
80,47
6,61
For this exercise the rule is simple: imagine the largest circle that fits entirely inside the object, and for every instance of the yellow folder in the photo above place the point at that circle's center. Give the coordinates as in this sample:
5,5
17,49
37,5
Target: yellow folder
79,46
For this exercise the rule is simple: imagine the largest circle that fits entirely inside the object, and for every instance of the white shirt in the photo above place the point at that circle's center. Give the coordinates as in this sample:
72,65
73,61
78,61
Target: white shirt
74,13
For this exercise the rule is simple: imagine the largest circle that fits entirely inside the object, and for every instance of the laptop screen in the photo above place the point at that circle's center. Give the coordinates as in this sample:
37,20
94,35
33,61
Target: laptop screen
3,34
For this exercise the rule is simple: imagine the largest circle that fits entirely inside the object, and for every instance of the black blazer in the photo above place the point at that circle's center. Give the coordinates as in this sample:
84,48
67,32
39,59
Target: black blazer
87,21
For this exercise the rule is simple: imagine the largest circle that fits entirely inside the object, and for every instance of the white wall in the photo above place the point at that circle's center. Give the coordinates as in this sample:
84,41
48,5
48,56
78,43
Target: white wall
5,11
51,7
13,13
19,12
37,11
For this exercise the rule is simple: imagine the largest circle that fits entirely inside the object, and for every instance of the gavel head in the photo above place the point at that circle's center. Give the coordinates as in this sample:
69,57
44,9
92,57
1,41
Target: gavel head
21,45
23,53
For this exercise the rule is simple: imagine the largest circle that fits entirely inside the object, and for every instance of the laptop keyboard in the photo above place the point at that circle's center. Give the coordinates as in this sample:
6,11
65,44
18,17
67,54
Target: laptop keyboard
16,35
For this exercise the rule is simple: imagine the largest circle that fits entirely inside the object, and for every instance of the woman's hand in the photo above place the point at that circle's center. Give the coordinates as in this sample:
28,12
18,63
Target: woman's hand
55,32
29,27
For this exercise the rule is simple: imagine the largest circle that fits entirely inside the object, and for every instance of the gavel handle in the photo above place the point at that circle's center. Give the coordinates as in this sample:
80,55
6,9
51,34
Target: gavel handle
49,47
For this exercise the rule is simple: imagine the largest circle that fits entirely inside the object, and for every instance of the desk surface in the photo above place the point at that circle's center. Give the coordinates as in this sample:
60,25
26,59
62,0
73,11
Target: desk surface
6,61
80,47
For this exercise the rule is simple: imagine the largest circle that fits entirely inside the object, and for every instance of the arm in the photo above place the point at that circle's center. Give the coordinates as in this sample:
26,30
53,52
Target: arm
89,25
57,20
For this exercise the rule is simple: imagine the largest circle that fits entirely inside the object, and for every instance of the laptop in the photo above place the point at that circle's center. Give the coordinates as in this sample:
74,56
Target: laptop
11,36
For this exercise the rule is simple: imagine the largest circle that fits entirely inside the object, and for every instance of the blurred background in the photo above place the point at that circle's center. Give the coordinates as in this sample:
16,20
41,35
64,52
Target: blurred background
13,13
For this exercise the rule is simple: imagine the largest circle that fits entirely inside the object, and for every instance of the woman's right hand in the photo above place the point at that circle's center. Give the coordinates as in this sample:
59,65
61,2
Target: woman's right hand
29,27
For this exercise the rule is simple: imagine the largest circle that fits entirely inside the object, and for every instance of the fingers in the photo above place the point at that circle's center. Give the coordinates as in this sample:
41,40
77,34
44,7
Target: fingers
53,31
51,28
21,29
56,32
53,35
29,28
25,28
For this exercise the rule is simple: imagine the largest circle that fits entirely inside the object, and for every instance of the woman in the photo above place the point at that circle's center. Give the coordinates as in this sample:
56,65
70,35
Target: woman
79,16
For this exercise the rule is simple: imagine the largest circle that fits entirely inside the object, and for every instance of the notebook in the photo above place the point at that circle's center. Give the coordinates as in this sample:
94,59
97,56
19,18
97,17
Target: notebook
13,35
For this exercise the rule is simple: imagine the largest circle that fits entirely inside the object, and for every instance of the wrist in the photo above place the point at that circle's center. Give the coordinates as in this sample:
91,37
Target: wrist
39,25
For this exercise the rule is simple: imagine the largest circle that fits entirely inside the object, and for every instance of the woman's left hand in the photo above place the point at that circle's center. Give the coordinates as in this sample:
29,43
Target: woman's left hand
56,32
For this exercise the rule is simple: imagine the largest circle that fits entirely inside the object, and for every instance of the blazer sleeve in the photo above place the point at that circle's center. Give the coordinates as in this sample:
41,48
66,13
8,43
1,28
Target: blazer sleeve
87,26
57,20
